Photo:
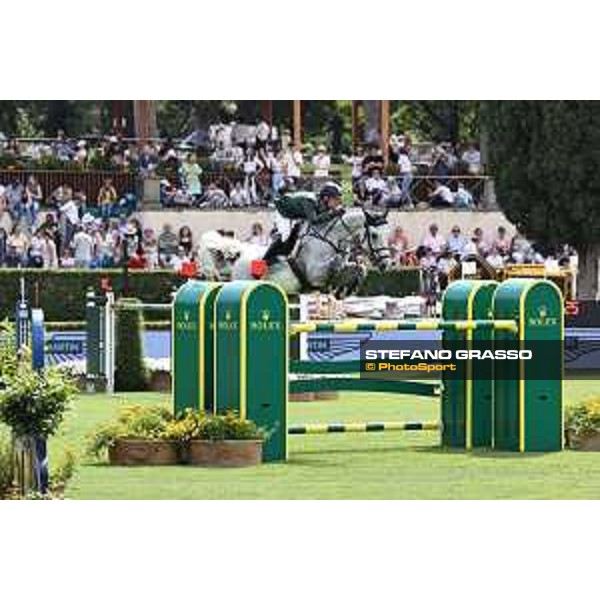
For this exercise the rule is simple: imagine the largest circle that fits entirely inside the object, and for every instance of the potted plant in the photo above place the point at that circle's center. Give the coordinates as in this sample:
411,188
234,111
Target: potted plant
139,436
225,441
582,426
33,404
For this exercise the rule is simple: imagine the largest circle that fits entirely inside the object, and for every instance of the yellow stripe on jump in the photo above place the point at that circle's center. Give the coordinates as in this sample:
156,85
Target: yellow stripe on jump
303,328
386,326
317,428
355,426
346,327
506,325
427,325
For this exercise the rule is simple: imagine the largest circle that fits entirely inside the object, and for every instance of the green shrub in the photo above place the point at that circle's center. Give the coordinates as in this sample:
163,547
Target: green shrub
400,282
130,372
6,463
61,292
227,427
34,403
63,470
133,422
582,419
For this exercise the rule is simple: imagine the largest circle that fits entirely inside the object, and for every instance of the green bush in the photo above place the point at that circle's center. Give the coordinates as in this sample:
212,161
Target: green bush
133,422
6,463
130,372
61,292
582,419
227,427
404,281
33,403
63,470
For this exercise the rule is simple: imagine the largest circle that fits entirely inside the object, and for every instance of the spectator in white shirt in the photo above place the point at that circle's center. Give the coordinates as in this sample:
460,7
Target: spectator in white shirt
441,196
434,241
292,162
456,242
472,159
258,236
82,245
321,161
405,168
238,196
462,197
376,188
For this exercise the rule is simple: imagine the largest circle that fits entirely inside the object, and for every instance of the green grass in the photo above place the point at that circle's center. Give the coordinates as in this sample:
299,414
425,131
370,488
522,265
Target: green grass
357,465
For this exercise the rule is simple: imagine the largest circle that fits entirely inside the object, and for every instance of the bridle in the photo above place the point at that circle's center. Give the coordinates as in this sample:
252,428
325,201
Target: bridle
341,248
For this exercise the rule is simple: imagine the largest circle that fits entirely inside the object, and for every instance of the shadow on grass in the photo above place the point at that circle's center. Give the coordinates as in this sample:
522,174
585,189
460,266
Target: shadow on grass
480,452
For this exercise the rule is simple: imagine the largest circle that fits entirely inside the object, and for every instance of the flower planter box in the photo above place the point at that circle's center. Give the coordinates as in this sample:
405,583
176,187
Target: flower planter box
226,453
143,452
589,443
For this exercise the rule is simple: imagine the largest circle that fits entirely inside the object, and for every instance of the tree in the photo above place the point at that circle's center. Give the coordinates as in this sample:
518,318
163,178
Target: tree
545,158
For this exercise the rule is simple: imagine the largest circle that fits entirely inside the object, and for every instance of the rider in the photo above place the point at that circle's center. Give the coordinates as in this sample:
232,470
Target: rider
301,207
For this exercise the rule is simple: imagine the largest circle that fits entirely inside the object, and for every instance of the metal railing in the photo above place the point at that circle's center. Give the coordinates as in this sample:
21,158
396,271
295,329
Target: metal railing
88,182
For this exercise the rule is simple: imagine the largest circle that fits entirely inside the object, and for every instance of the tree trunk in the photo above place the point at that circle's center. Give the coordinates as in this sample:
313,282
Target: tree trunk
587,275
372,122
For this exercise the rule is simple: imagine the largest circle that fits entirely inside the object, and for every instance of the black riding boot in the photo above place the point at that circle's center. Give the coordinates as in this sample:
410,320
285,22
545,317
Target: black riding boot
282,248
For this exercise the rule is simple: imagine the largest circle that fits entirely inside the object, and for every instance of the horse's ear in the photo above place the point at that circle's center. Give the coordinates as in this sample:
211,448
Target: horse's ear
375,220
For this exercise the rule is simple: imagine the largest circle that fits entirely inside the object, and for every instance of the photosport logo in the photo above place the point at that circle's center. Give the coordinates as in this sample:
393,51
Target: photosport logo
456,360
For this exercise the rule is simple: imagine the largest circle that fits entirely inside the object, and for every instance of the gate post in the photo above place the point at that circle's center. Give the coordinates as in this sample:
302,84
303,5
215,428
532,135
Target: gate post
251,358
467,395
192,346
528,415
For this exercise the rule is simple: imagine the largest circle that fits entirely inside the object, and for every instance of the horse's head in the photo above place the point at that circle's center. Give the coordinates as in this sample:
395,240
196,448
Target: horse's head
376,236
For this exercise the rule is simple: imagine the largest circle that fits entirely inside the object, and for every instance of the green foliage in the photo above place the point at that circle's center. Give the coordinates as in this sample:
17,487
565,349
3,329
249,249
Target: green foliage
34,403
130,372
544,157
583,419
64,469
227,427
399,282
545,162
6,463
157,423
184,427
61,292
133,422
8,350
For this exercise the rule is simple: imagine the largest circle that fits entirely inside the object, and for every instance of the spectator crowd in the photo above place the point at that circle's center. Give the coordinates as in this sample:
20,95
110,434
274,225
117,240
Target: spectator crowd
235,165
439,254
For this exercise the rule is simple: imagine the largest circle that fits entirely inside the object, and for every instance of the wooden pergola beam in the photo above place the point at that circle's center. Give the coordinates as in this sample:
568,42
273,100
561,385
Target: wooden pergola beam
297,124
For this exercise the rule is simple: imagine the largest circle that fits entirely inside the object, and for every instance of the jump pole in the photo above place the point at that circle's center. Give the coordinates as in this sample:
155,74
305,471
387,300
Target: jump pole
368,427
